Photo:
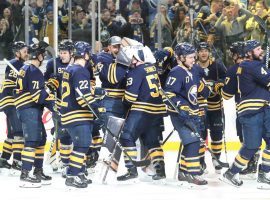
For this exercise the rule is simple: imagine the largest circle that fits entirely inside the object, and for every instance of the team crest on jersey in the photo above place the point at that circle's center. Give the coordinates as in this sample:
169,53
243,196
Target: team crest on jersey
192,95
206,71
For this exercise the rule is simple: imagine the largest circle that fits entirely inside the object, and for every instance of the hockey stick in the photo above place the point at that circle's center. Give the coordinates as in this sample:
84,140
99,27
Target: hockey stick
11,66
222,164
51,160
263,25
134,162
168,137
177,161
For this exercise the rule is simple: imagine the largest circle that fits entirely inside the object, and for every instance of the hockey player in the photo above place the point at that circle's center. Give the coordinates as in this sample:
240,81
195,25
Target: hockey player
146,110
230,90
30,98
75,116
164,63
113,80
65,57
214,71
254,115
14,142
182,89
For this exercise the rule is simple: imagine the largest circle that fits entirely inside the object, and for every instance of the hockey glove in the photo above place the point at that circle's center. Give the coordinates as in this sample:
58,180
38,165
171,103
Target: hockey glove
53,84
99,93
218,86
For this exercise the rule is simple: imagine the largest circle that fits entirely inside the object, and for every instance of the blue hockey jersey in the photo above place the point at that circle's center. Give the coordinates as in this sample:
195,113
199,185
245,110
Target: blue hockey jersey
9,84
60,67
182,88
254,82
74,110
230,88
112,75
30,89
214,72
142,90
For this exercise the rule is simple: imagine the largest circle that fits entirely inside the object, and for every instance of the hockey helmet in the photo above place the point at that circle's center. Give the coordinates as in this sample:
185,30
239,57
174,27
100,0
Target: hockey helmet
104,36
183,49
81,48
37,48
250,45
114,40
18,45
203,45
238,48
163,59
66,45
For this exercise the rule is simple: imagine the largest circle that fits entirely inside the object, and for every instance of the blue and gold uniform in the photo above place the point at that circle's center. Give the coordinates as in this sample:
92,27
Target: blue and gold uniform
14,142
254,115
214,72
112,76
31,96
73,108
30,99
230,90
143,97
75,114
182,87
63,136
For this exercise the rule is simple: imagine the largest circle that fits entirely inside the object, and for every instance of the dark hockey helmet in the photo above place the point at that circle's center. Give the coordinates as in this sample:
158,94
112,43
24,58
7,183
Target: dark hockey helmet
163,59
183,49
104,36
81,48
203,45
250,45
238,48
18,45
66,45
36,49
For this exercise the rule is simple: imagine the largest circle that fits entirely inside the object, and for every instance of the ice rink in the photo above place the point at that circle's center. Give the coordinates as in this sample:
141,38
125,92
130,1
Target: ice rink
144,189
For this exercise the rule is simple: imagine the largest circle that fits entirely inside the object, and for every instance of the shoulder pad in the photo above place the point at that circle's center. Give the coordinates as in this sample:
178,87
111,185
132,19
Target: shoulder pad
104,57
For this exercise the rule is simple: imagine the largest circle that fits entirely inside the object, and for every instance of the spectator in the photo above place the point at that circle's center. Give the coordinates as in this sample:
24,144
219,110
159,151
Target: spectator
136,28
107,24
179,19
81,21
254,31
184,34
166,30
17,20
6,38
232,25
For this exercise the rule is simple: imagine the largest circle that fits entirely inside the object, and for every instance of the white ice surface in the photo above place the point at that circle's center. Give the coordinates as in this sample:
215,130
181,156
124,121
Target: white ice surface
143,190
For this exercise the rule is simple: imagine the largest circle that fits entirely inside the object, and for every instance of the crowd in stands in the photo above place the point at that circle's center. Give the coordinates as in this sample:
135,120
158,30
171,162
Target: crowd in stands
218,22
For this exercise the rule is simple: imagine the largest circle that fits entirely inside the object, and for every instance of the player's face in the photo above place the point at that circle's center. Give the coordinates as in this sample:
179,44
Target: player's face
190,60
258,53
203,55
114,49
24,53
64,56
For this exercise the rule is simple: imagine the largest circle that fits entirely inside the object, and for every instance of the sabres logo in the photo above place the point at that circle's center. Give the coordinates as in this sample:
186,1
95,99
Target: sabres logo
192,95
